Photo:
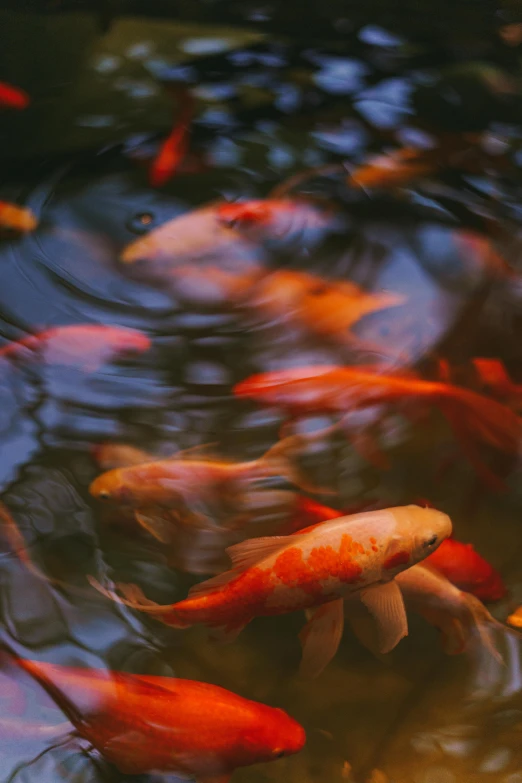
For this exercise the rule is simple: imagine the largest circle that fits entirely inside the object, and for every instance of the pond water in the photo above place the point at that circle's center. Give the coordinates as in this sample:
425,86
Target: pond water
278,91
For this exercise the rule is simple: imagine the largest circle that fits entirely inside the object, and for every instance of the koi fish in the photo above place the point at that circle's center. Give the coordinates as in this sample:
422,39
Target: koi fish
467,570
324,308
315,568
334,389
145,724
231,233
197,237
461,617
87,346
460,151
13,97
395,169
184,491
175,146
460,563
17,219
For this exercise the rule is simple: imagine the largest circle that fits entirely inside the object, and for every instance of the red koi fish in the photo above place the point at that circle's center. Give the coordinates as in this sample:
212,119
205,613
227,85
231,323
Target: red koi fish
333,389
174,149
16,219
13,97
88,346
462,619
460,563
315,568
468,570
145,724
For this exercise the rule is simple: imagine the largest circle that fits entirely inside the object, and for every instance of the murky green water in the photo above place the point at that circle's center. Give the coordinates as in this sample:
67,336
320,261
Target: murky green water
278,91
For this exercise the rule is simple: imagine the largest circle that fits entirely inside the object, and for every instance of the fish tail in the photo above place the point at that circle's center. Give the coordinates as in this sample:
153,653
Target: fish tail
133,597
476,419
282,456
481,625
486,420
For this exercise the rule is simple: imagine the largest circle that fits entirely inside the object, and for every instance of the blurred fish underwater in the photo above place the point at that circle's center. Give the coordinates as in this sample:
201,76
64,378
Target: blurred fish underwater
260,373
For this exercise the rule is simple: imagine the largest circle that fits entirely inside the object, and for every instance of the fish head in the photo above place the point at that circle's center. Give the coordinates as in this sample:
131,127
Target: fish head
418,533
112,488
271,735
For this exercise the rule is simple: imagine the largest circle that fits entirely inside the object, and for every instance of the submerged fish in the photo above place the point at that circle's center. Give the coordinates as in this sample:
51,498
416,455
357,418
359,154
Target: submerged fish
88,346
232,234
468,570
175,146
315,568
183,490
158,724
325,308
472,417
13,97
461,617
17,219
460,563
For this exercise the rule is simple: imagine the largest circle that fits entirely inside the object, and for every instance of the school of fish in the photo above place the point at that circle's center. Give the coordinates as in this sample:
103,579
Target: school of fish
253,526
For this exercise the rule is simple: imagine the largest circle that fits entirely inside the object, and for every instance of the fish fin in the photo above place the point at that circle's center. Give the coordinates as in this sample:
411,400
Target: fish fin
203,449
320,638
386,605
226,634
251,551
483,623
128,455
362,624
282,453
157,526
214,583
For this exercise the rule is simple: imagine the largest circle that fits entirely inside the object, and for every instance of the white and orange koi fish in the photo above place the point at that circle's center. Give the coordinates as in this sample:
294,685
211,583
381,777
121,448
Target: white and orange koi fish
317,567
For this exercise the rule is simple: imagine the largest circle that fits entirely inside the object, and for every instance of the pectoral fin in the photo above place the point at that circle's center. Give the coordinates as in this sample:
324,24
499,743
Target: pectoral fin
320,638
385,604
159,527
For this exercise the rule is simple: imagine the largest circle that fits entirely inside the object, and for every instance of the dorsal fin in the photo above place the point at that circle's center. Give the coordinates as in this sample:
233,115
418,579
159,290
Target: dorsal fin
214,583
249,552
202,450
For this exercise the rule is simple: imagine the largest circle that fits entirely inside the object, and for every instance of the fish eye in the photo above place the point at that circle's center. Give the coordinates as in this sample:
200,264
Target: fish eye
104,495
431,541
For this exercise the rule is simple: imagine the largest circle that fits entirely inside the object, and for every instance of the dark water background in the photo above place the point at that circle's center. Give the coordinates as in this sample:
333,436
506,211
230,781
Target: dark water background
280,87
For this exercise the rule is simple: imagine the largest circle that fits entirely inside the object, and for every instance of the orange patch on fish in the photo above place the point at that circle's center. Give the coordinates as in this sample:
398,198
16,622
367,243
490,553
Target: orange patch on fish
399,558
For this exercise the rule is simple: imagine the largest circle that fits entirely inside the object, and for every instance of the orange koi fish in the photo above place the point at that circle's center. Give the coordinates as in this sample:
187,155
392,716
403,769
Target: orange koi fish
326,308
181,490
88,346
175,146
145,724
471,416
461,617
17,219
315,568
13,97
